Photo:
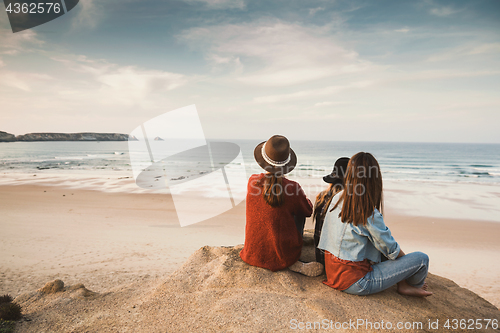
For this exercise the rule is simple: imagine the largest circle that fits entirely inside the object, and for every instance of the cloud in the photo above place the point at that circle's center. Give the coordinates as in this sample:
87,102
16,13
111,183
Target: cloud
24,41
321,104
313,11
12,44
88,14
437,74
472,50
132,79
486,48
310,93
231,62
221,4
276,53
22,81
475,105
405,30
124,84
444,11
382,79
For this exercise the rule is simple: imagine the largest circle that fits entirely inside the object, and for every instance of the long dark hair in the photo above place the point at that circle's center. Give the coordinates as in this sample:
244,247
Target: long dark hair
363,189
323,200
273,191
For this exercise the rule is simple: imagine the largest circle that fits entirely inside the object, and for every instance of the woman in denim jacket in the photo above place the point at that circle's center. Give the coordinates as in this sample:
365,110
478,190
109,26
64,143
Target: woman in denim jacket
354,238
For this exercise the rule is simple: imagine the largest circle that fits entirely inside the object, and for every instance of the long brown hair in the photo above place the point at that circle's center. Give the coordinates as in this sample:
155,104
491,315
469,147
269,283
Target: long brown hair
323,200
363,189
273,191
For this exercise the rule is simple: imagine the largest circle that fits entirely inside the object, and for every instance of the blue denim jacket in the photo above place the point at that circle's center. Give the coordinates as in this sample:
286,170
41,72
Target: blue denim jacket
356,243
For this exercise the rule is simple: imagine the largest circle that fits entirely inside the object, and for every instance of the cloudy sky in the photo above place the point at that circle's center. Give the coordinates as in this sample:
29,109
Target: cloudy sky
316,70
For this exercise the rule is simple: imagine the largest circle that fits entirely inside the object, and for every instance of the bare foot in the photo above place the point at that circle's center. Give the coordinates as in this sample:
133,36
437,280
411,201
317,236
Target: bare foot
425,286
405,289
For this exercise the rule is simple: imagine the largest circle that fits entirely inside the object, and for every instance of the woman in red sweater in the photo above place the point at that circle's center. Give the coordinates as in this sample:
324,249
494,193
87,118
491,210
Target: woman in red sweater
276,209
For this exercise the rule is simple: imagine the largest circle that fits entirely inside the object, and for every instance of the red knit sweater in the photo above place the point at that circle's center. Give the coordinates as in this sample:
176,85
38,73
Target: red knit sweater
271,237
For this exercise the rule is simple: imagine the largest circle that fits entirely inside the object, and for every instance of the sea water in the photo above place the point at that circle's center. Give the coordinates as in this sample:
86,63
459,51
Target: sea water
451,180
425,162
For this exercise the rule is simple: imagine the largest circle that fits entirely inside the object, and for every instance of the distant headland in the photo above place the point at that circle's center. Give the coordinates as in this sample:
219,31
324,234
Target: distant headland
30,137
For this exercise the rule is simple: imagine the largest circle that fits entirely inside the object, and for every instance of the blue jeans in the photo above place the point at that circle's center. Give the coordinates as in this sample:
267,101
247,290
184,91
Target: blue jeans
412,267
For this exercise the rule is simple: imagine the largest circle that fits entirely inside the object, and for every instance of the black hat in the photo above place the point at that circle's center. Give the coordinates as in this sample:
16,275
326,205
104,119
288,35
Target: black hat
339,171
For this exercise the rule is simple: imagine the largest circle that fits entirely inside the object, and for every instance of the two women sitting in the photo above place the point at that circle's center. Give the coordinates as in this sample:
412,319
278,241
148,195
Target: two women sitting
350,230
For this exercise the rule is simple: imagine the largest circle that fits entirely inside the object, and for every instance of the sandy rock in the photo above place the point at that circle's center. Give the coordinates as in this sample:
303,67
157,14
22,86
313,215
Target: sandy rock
215,291
79,291
218,291
52,287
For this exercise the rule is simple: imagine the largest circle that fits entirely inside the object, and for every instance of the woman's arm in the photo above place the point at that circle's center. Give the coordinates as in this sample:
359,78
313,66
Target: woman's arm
381,237
302,206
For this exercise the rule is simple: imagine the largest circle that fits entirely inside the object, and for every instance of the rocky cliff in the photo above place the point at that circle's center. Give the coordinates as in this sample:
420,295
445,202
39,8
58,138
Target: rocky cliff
6,137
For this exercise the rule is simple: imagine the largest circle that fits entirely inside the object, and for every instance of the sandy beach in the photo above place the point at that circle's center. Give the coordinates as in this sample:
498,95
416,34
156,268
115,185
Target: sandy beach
105,240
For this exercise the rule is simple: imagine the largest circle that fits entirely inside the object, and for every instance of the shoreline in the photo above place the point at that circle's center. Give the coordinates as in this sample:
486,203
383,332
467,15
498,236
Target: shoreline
466,201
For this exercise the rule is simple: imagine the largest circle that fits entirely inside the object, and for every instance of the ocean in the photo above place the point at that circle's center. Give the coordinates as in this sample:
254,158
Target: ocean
444,180
425,162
